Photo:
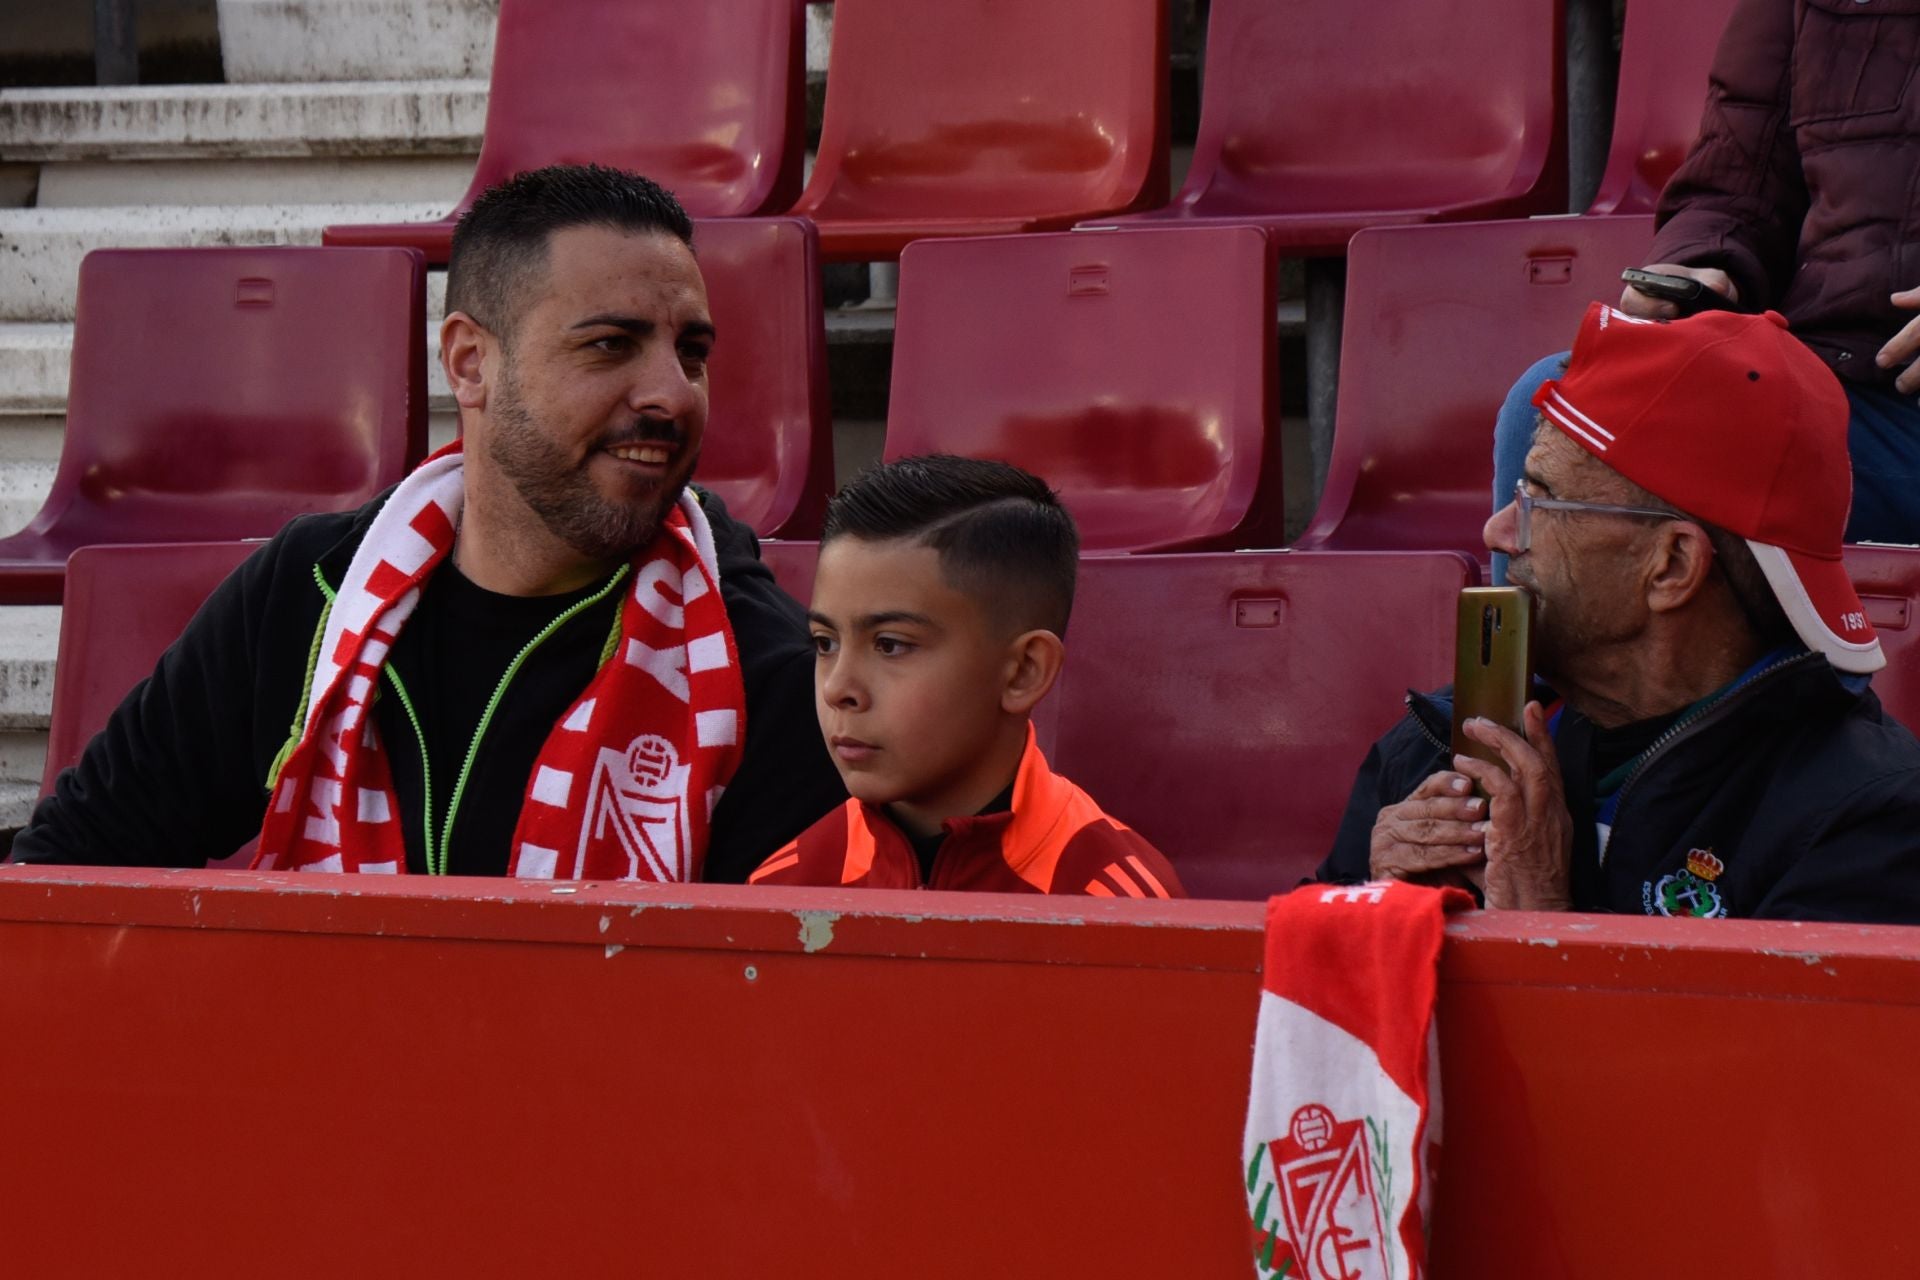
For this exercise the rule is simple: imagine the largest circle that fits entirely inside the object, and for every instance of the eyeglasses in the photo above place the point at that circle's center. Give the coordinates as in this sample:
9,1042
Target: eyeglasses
1528,504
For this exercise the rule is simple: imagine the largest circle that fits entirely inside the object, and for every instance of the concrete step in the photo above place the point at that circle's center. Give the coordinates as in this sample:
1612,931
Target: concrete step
29,456
254,121
29,640
295,40
41,249
439,181
309,40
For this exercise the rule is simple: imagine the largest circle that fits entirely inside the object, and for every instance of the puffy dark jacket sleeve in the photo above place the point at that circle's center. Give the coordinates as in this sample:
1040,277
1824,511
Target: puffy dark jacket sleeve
177,777
1738,199
1861,860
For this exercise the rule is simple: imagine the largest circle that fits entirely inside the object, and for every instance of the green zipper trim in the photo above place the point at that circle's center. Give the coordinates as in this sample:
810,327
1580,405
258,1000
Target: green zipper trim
426,766
608,649
299,729
493,703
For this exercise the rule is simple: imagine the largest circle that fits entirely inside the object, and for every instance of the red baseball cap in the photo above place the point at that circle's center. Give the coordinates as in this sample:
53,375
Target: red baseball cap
1732,419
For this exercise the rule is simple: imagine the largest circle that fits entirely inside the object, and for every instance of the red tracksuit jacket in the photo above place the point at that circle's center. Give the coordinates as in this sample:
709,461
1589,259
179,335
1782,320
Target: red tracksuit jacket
1055,839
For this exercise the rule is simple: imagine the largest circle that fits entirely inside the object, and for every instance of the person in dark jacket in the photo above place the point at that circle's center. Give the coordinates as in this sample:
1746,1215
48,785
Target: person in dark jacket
1798,195
541,654
1706,743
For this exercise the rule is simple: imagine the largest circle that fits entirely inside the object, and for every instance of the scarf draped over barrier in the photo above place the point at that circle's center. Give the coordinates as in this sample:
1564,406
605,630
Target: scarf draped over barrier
1343,1120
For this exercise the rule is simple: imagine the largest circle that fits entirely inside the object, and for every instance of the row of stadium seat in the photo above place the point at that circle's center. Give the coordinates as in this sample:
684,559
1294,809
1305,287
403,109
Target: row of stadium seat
1135,369
1218,703
975,117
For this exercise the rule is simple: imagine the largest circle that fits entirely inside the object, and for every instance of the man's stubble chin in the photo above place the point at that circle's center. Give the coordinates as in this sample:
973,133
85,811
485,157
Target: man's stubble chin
561,493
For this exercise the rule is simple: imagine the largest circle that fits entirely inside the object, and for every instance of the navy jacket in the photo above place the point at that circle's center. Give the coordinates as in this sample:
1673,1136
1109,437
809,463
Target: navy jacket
1793,797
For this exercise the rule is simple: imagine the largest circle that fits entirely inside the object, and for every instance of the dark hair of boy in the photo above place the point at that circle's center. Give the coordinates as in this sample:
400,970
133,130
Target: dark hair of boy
1002,536
501,241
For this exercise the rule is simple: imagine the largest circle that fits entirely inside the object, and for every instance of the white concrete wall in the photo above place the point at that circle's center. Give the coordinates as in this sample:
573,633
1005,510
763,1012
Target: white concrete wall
317,40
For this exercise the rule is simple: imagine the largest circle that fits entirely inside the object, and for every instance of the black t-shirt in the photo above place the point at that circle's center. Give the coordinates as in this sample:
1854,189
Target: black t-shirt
451,658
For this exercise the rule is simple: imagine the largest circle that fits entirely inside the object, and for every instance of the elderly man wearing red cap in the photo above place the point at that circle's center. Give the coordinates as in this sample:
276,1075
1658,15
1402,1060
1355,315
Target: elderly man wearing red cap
1705,743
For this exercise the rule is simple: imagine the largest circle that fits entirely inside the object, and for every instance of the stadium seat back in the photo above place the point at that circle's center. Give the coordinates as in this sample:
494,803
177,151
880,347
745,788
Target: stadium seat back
1134,370
1888,580
1321,116
768,451
964,117
1665,56
1440,322
125,605
1221,704
792,564
217,393
707,99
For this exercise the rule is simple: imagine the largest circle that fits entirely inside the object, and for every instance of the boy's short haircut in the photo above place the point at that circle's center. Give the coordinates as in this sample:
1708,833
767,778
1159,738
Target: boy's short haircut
500,243
1001,534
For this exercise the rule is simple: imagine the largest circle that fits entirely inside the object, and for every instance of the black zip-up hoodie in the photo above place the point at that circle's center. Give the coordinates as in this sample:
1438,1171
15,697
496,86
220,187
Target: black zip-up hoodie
179,774
1794,797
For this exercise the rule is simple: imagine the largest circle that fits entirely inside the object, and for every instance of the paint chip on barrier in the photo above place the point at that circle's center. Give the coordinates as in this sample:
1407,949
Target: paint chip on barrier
816,930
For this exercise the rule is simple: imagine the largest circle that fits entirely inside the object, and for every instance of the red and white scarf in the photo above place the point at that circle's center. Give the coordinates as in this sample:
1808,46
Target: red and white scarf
1344,1119
626,783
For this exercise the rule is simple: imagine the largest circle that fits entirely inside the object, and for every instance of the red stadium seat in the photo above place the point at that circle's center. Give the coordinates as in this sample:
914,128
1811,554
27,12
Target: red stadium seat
977,117
1888,580
1440,321
1664,59
217,393
707,99
1321,117
1134,370
792,565
1220,704
125,605
769,442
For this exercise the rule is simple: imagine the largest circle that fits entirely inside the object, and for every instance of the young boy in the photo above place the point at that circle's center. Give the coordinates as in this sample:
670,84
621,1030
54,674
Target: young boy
942,590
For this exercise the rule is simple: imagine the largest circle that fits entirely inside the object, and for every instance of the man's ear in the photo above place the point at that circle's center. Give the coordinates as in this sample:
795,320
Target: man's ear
1035,659
466,350
1678,565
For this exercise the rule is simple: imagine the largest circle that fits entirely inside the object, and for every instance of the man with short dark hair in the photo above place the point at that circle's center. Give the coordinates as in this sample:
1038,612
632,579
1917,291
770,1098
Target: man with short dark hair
540,654
1708,745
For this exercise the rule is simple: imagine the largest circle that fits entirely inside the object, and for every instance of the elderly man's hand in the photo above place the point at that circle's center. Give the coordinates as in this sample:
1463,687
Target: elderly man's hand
1528,832
1904,346
1432,836
1636,303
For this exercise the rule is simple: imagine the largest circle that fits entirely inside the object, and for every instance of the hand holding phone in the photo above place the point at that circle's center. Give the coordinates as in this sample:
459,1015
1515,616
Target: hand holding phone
1689,295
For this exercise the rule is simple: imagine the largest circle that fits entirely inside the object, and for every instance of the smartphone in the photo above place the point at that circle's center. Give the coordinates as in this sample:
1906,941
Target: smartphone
1683,292
1492,664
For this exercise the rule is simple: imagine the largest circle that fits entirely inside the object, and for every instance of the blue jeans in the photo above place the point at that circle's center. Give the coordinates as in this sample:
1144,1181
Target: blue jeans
1883,437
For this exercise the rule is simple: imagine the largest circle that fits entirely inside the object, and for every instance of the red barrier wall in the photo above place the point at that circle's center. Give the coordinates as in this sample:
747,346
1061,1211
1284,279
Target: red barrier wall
230,1073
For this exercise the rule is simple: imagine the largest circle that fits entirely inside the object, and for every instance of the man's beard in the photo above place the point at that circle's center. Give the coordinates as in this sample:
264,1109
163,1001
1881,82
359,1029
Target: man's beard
561,492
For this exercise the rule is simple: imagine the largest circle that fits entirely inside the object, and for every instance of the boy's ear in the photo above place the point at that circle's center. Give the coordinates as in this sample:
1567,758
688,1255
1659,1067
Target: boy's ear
1035,659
